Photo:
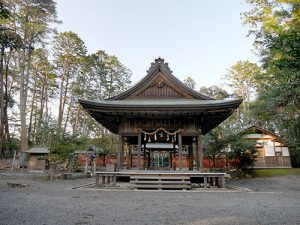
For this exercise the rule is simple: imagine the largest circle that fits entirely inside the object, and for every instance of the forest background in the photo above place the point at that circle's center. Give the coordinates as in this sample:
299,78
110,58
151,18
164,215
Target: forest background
43,73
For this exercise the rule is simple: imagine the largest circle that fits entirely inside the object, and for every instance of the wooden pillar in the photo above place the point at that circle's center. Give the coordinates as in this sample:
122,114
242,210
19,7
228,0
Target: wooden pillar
120,154
171,160
199,152
148,160
180,151
174,157
139,150
129,160
197,155
191,156
144,158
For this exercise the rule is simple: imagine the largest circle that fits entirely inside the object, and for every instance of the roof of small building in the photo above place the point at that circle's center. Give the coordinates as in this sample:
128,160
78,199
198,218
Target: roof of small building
257,128
91,149
44,150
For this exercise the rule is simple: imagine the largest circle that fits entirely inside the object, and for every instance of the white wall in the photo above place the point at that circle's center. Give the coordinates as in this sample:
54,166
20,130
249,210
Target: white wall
285,151
253,136
269,148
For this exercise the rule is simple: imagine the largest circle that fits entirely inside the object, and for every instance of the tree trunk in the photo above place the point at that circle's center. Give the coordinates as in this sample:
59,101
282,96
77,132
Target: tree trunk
31,112
23,97
60,110
62,100
2,136
7,134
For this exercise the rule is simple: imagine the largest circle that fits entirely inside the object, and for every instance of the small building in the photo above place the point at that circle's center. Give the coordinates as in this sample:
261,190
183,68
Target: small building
272,151
37,158
91,154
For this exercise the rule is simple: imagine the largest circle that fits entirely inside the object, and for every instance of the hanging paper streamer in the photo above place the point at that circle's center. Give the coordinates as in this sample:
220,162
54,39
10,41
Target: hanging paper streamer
161,130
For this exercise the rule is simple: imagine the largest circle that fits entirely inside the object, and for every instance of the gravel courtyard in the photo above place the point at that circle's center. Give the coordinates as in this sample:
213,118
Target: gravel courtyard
271,201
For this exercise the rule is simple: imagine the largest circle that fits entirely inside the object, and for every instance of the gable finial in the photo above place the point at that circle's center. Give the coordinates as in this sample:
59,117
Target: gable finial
159,62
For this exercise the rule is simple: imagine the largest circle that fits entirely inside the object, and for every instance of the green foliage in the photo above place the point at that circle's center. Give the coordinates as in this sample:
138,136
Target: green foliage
215,92
242,79
190,82
62,148
242,149
276,27
221,141
4,11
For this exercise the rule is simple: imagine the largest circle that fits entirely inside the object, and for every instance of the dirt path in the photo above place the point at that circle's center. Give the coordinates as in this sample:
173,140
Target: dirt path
275,201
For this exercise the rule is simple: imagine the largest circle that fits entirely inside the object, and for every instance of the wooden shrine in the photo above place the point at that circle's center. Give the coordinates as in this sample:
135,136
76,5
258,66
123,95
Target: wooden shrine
160,121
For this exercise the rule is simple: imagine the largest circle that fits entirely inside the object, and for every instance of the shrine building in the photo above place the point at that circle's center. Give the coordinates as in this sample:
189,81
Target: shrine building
160,121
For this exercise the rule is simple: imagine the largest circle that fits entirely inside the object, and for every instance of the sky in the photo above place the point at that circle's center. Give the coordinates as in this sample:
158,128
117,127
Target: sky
198,38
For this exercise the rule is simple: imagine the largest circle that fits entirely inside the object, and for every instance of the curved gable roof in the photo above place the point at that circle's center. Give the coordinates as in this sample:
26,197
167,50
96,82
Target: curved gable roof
159,72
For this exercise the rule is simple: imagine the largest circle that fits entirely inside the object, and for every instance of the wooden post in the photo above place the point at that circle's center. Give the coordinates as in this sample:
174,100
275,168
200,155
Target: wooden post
129,163
86,165
170,155
97,178
174,157
200,152
205,181
114,180
120,154
197,156
191,157
144,157
223,182
94,164
139,151
180,151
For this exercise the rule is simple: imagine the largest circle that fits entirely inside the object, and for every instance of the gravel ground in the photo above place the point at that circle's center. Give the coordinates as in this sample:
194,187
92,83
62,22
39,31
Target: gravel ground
272,201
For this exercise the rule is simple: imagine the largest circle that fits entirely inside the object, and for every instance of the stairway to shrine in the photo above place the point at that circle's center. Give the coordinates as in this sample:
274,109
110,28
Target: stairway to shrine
159,182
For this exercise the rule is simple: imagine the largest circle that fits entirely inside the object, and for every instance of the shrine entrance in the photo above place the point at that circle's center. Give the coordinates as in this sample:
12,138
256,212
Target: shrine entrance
160,160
